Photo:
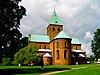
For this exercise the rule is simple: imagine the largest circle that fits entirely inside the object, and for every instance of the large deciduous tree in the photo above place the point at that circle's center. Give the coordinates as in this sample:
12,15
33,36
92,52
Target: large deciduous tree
10,15
95,44
26,55
22,43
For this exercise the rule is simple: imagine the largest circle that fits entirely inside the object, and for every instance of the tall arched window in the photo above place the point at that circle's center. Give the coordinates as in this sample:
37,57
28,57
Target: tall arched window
58,54
66,44
76,47
44,46
57,45
65,54
58,29
53,29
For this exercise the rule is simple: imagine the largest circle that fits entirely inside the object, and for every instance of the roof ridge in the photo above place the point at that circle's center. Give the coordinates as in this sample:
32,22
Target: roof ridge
61,34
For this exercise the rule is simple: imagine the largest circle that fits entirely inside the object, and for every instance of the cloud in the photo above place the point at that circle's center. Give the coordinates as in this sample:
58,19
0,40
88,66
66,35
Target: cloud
88,35
86,47
80,18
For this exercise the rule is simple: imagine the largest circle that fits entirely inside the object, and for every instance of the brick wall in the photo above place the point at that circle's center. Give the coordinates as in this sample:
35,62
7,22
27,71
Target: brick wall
61,60
53,30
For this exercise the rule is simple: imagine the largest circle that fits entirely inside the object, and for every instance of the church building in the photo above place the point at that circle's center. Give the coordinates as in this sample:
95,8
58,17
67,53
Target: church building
57,48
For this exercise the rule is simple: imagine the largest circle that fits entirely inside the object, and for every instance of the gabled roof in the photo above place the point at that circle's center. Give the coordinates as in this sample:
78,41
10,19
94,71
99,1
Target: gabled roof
47,55
81,55
75,41
61,34
55,19
39,38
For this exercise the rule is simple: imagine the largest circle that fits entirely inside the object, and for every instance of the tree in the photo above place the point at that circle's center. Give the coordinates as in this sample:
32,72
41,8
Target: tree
10,15
27,55
95,44
92,58
22,43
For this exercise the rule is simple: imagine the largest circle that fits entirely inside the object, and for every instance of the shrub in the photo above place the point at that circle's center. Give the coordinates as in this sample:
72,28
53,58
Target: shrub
6,61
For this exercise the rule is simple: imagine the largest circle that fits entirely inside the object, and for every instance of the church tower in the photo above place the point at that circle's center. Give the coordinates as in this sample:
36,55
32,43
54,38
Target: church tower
55,26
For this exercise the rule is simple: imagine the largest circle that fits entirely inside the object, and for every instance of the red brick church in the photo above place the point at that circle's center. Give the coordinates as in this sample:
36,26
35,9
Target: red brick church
57,48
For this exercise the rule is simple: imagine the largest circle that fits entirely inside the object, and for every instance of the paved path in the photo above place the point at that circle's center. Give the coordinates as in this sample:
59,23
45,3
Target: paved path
60,71
66,70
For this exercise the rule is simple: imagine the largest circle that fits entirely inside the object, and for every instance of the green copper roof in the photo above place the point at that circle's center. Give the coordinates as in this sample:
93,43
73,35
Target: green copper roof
39,38
61,34
75,41
55,19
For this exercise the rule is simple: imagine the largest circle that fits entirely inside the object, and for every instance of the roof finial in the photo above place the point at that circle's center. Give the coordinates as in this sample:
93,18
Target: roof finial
54,8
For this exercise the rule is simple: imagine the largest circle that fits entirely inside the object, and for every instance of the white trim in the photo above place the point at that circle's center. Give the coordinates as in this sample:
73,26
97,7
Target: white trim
78,51
81,55
47,55
44,50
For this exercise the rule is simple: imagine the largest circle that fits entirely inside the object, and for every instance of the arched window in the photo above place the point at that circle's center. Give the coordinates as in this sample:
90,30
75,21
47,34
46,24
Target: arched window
58,54
66,45
40,47
47,60
58,29
76,47
65,54
44,46
53,29
57,45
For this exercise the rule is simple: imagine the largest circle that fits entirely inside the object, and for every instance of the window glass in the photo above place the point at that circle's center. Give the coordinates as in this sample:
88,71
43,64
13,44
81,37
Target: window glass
58,54
65,54
76,47
57,45
53,29
66,44
58,29
45,47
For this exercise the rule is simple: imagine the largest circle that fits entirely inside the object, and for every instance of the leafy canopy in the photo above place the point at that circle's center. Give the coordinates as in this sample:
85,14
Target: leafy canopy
22,43
27,55
95,44
10,15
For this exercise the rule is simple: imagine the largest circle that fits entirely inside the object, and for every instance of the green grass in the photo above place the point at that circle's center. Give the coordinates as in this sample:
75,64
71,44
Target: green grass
35,70
92,70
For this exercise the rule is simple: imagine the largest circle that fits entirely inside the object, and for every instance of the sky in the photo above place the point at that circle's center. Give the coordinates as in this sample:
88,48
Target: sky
80,18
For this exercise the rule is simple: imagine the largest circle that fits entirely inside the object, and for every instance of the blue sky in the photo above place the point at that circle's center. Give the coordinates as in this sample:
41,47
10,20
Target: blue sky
80,18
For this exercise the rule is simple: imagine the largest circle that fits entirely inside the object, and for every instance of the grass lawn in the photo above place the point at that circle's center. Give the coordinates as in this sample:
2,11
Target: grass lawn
35,70
92,70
